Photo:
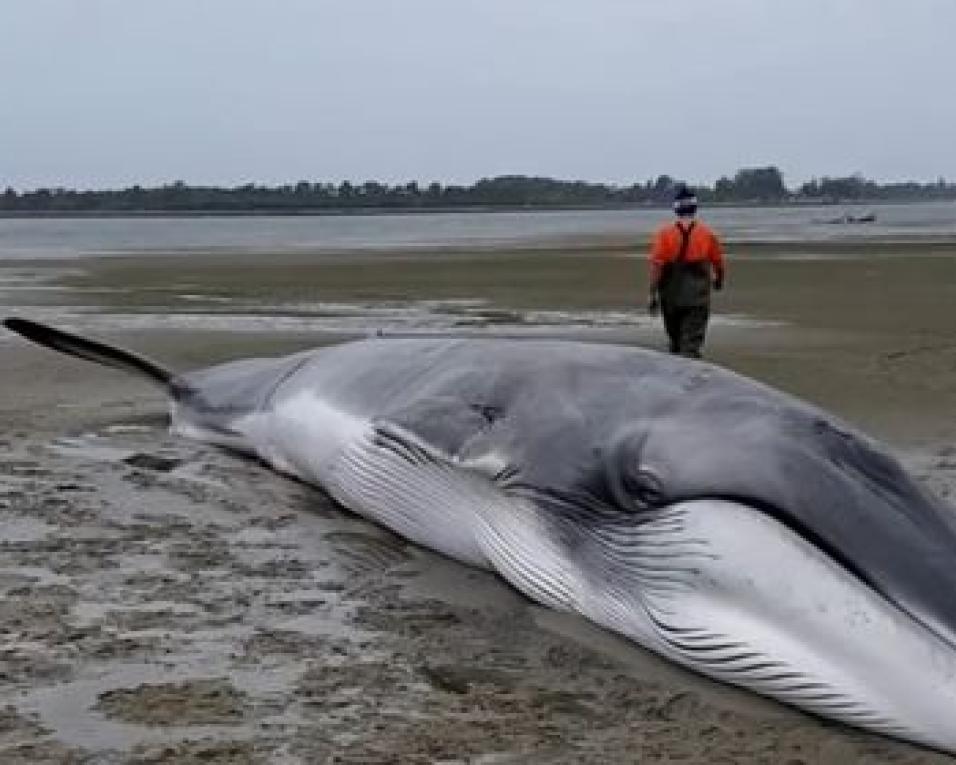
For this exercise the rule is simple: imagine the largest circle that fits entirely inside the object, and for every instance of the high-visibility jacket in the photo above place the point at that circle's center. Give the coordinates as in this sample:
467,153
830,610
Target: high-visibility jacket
702,247
683,254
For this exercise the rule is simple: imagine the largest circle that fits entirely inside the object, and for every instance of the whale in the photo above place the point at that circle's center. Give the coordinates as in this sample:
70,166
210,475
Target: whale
722,524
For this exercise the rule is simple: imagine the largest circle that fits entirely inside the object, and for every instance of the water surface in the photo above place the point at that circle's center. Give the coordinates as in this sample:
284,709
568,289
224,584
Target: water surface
76,237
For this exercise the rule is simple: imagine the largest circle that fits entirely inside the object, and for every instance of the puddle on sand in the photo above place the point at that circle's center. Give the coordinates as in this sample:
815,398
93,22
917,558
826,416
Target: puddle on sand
32,575
86,613
69,709
90,446
129,428
20,529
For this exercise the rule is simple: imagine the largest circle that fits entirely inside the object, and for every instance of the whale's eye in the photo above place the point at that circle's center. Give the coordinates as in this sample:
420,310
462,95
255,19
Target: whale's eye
630,480
644,487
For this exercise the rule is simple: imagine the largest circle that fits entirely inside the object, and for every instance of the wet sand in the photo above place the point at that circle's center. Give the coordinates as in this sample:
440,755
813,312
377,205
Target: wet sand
166,602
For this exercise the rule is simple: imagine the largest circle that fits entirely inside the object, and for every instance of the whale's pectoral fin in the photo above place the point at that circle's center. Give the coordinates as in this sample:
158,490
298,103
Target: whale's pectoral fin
417,451
403,481
462,508
405,444
92,350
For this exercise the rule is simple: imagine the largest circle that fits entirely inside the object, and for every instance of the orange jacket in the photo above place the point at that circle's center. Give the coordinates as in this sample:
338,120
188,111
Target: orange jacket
702,247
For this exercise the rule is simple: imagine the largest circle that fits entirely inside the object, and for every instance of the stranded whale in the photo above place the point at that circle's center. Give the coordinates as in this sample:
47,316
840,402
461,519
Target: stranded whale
727,526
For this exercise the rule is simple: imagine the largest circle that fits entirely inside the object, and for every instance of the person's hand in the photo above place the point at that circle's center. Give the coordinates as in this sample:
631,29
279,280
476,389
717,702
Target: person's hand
653,305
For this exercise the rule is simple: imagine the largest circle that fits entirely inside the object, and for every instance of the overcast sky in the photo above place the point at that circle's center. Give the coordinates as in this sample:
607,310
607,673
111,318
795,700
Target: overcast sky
105,93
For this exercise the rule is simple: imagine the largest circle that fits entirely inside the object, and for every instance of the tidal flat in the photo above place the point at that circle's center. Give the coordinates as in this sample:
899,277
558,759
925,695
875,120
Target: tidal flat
166,602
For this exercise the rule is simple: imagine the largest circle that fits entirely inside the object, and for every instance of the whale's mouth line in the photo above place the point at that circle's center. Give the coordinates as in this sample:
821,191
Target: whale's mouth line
781,516
787,520
590,504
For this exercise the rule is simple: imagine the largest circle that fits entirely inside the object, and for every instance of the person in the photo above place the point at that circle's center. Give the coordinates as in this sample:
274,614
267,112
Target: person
686,260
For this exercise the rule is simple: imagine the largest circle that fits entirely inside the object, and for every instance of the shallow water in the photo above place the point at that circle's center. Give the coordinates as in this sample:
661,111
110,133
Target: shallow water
366,320
69,238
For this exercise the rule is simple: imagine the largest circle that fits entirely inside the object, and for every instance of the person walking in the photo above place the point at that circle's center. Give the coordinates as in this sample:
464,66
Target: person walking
686,260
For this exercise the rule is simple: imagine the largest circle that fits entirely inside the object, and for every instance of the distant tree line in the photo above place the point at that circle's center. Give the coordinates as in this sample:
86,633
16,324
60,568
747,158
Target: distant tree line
760,185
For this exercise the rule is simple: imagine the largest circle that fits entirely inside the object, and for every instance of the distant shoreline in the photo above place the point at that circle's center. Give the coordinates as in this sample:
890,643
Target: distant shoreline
314,212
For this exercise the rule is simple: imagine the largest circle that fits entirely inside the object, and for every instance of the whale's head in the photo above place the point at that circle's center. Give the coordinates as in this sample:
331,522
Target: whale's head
832,486
774,547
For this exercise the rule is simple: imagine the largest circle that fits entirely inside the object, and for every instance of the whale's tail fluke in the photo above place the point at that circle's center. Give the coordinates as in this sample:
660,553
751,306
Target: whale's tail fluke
92,350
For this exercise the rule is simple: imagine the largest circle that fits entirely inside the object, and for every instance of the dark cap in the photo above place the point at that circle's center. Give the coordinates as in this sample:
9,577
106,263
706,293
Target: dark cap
685,201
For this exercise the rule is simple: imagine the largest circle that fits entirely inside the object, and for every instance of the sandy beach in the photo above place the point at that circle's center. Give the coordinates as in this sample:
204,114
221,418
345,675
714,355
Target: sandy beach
167,602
